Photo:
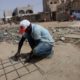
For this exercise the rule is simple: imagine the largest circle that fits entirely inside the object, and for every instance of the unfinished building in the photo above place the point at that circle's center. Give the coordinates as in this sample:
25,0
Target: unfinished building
51,6
7,15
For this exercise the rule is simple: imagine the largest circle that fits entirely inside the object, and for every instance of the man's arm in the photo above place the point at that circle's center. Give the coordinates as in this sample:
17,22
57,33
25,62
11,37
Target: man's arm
20,46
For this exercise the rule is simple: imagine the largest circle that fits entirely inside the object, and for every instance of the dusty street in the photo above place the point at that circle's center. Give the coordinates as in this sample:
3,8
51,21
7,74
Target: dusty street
64,65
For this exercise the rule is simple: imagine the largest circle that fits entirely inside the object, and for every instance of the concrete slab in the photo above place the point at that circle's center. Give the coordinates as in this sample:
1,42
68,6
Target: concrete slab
31,67
19,65
22,71
7,64
1,72
1,67
13,75
3,78
46,64
9,69
33,76
5,61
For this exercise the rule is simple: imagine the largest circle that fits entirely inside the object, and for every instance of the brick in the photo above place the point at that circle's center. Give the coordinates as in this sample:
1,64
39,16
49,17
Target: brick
12,75
19,65
31,67
1,72
9,69
3,78
7,64
22,71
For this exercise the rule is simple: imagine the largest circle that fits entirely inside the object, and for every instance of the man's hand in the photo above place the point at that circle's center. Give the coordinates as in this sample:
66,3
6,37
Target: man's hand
17,55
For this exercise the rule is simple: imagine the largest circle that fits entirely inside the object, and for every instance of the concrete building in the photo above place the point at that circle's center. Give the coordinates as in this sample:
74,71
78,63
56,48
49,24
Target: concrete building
7,14
51,6
22,11
75,5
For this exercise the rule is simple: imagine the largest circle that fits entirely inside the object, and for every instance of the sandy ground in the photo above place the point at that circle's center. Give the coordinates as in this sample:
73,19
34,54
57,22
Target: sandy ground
64,65
8,49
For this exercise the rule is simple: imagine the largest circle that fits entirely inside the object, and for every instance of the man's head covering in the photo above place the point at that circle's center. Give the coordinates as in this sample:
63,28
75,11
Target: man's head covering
24,24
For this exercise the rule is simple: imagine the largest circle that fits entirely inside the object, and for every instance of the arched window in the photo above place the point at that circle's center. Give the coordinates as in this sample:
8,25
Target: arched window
29,11
21,12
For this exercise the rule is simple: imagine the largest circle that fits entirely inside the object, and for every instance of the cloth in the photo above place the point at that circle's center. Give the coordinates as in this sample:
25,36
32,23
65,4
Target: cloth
39,48
40,33
40,40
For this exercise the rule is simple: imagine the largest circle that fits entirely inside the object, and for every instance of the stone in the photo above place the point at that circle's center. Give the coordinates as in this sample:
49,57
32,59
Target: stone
19,65
12,76
62,38
5,61
33,76
5,34
1,67
3,78
9,69
1,72
7,64
22,71
31,67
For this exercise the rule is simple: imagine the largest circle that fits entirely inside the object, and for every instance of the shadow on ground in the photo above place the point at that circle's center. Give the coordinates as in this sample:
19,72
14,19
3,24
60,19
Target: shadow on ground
24,57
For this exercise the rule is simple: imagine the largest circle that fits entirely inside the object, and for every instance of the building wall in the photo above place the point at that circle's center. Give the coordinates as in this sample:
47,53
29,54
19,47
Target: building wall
21,11
7,14
50,5
75,5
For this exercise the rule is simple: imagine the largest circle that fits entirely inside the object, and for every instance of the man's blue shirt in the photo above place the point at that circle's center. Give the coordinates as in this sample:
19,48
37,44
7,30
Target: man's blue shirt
40,33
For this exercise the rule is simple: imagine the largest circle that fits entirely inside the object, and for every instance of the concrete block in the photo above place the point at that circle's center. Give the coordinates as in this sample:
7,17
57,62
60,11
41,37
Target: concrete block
22,71
18,79
5,61
3,78
1,72
33,76
0,62
12,75
9,69
1,67
31,67
27,64
19,65
7,64
14,62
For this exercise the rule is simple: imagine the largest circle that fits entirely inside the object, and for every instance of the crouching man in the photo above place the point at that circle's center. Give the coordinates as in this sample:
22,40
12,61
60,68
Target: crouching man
38,37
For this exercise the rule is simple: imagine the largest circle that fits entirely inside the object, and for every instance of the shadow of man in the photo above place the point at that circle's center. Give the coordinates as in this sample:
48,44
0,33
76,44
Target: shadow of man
27,58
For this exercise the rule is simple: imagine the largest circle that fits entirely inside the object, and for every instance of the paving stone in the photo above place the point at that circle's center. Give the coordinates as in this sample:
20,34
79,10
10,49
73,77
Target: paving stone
7,64
3,78
5,61
1,67
22,71
31,67
18,79
1,72
26,64
15,62
33,76
19,65
46,64
9,69
0,62
12,75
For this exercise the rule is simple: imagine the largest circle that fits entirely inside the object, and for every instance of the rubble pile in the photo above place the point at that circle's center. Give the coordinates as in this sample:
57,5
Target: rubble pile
66,34
9,35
